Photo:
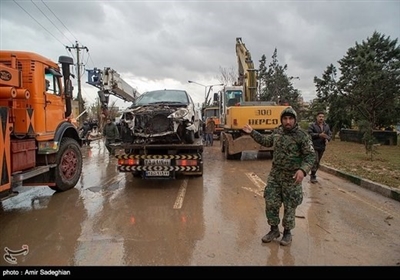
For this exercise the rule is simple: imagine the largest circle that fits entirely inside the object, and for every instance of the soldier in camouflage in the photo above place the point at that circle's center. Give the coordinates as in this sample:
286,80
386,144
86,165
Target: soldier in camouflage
293,157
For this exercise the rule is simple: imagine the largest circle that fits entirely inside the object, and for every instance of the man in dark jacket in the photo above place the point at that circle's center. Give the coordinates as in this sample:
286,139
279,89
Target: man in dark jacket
85,131
292,159
111,133
320,134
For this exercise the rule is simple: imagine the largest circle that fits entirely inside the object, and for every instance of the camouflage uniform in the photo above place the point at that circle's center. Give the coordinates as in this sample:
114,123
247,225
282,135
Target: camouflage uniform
293,150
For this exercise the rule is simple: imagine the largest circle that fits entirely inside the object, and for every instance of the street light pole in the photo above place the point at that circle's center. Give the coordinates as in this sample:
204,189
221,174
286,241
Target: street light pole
205,90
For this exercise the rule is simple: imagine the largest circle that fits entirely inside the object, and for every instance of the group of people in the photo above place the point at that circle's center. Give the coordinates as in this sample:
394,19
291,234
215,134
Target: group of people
85,130
297,152
110,133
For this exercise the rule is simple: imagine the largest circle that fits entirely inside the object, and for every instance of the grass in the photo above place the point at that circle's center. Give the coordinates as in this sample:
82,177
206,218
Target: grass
349,157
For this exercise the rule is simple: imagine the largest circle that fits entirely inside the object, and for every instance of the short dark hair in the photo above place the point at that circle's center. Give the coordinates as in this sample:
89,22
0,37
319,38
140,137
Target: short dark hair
319,113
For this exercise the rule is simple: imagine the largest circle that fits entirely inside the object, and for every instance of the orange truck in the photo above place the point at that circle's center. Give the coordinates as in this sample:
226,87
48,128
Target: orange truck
213,112
39,146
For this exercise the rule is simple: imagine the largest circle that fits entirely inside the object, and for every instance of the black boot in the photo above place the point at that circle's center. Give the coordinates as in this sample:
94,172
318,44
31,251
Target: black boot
271,235
286,238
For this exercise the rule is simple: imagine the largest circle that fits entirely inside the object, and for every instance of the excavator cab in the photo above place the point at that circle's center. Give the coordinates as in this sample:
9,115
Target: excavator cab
233,97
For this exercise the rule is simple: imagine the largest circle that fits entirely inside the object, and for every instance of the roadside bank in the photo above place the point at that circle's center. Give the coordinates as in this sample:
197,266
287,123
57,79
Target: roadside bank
365,183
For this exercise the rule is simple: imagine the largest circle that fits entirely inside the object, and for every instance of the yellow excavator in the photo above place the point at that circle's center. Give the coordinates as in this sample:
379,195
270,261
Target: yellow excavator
239,105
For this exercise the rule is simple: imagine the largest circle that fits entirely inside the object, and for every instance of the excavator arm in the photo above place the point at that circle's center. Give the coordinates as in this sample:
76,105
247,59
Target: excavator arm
247,74
109,82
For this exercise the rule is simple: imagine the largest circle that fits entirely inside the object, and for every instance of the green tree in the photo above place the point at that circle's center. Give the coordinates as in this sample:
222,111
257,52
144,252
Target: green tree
276,84
370,80
335,106
261,75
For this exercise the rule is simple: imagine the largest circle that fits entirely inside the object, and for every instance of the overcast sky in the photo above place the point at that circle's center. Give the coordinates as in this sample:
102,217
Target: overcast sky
163,44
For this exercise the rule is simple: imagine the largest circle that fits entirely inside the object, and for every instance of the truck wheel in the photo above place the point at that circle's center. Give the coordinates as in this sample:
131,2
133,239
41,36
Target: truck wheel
69,165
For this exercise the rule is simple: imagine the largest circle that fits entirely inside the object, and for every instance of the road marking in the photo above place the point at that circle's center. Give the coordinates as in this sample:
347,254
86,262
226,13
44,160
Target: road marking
181,195
260,184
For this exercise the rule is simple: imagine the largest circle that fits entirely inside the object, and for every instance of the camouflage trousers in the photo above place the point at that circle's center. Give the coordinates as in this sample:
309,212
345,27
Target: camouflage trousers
278,192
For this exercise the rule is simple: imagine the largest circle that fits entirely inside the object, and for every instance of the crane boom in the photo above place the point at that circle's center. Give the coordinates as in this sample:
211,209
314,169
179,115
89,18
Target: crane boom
247,73
109,81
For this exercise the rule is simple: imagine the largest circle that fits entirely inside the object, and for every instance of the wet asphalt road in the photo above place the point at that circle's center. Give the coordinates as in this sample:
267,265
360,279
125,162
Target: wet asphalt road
114,219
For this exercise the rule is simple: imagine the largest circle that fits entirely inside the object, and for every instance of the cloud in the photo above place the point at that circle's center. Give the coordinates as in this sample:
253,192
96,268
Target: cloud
163,44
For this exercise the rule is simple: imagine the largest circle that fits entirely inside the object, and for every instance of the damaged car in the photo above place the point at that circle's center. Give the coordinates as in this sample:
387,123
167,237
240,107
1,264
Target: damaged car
161,116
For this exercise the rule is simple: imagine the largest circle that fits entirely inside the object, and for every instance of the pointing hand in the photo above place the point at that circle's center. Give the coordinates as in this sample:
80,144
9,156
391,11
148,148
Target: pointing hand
247,128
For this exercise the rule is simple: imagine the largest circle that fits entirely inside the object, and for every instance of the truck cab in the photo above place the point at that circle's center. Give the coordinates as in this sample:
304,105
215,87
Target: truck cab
40,146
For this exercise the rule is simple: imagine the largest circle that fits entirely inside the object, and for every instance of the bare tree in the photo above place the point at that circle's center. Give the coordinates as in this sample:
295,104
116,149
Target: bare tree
227,76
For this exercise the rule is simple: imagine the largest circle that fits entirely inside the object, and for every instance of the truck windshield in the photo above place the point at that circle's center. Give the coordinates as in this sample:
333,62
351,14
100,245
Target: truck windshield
208,113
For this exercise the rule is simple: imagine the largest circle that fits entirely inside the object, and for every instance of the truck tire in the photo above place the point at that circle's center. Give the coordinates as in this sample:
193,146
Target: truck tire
69,165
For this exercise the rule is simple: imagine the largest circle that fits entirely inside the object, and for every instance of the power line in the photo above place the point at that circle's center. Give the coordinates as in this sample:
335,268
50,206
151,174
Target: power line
51,21
59,21
38,23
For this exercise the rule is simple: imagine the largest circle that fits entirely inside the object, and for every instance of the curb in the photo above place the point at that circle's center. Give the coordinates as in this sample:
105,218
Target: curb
367,184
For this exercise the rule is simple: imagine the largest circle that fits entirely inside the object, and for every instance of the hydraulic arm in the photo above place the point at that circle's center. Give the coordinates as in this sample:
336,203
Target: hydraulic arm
109,82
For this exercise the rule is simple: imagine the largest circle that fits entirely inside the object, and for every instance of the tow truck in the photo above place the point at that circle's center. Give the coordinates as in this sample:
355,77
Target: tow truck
159,139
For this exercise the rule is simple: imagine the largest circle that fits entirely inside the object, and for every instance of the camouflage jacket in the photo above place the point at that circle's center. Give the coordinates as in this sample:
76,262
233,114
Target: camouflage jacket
292,150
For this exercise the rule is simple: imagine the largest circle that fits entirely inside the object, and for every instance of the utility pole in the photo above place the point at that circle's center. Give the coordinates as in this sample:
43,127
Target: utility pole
78,66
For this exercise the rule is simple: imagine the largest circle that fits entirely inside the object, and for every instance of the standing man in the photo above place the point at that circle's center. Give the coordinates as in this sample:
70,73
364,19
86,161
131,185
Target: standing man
85,130
293,157
111,133
210,128
320,134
